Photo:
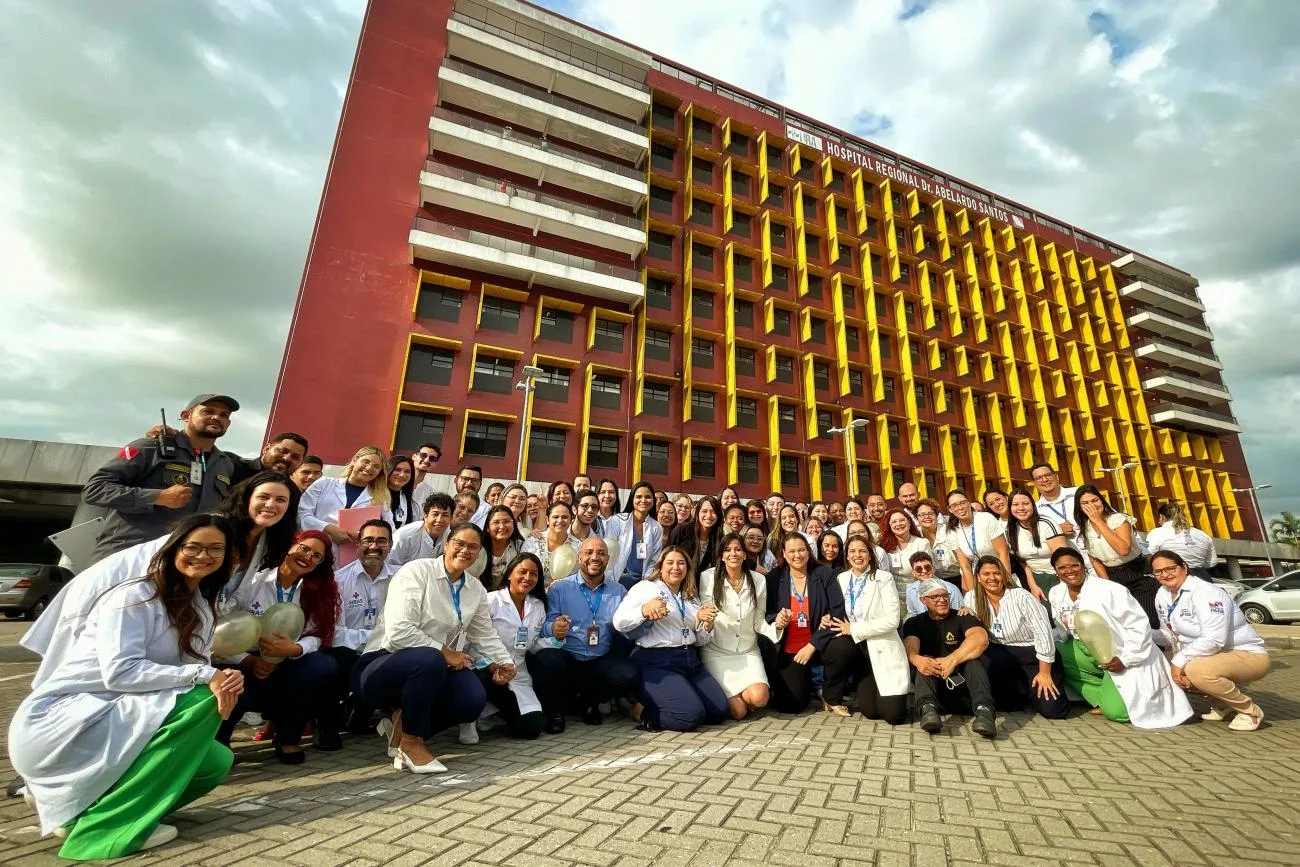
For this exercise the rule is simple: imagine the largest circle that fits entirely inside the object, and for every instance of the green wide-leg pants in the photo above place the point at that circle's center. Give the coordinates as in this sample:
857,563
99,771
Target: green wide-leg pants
1090,680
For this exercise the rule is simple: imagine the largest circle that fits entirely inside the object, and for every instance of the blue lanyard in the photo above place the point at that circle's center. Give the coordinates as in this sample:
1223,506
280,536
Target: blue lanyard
280,594
1060,513
853,593
1169,614
455,595
586,595
795,593
681,603
971,537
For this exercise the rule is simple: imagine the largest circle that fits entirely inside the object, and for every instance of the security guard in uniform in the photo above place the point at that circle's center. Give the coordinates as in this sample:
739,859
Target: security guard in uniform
153,482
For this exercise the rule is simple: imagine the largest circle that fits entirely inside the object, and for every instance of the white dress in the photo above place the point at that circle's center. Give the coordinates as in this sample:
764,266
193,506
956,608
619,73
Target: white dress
732,657
507,622
100,700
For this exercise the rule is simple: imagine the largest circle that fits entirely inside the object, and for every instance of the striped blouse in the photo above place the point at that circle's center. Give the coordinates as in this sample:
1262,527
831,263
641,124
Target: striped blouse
1020,622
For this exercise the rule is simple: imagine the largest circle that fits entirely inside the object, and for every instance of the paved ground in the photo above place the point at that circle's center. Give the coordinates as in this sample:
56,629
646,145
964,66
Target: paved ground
805,791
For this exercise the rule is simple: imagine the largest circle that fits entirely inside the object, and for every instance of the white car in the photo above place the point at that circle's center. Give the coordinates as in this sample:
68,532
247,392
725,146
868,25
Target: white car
1278,600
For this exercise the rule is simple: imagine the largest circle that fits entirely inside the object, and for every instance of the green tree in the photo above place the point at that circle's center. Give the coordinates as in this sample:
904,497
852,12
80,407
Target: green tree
1286,529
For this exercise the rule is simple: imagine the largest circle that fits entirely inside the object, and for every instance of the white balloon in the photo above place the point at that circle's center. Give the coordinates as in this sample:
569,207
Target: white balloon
611,543
1094,632
286,618
236,633
564,562
480,563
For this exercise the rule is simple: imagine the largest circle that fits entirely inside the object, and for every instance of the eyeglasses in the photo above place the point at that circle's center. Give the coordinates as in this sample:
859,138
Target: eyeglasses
1042,477
369,542
458,545
1167,572
425,456
310,553
475,480
194,549
587,506
922,570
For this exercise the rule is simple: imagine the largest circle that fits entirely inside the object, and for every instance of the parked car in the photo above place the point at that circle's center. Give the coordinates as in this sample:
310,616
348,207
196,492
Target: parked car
1234,588
26,588
1278,600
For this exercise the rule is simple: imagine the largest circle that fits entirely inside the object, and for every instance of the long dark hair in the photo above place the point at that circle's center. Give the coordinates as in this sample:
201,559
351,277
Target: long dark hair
279,536
171,588
631,495
1080,519
515,536
406,491
539,589
687,537
720,571
839,564
618,504
555,486
1013,525
319,599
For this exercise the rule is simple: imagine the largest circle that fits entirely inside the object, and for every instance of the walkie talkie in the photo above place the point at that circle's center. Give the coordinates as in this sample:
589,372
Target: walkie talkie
166,445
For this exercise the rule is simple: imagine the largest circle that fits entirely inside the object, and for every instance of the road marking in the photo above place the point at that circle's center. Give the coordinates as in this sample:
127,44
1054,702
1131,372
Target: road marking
17,676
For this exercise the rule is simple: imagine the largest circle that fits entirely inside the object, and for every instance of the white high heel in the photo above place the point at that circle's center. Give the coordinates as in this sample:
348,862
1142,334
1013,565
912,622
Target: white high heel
385,729
402,760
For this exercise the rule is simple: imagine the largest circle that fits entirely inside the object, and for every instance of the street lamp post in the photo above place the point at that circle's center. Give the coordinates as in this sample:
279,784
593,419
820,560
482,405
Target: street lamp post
1118,473
527,384
1259,516
847,430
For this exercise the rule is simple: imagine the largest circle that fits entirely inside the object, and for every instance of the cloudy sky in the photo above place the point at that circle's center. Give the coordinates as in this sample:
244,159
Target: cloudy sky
161,163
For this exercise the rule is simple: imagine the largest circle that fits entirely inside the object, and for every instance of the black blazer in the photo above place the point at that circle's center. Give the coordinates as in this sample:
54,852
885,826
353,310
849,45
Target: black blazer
824,597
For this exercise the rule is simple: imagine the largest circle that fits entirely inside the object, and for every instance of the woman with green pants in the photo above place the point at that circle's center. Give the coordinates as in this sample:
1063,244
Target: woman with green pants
119,732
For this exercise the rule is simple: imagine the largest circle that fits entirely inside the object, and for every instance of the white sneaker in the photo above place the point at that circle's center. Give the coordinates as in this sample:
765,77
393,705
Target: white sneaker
468,733
1247,722
161,835
1217,714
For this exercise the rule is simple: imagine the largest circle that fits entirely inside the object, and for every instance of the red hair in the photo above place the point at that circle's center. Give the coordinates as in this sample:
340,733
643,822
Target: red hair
888,539
319,598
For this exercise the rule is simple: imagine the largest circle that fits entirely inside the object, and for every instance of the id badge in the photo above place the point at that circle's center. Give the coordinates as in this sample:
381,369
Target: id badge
454,643
196,473
593,636
368,616
521,638
641,550
687,638
802,620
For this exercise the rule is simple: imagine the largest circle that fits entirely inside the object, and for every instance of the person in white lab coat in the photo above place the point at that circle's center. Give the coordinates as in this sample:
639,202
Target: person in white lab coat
423,539
118,731
518,612
363,482
733,657
291,692
1215,649
415,660
362,585
1135,684
872,615
639,535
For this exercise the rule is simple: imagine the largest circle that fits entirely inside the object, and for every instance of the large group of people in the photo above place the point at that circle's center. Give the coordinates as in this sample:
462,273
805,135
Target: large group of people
517,611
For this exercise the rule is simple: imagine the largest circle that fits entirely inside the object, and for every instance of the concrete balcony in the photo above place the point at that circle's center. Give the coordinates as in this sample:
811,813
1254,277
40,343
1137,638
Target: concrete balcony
532,107
475,193
1177,301
1139,267
1193,418
433,241
1172,354
1186,386
1169,326
563,66
524,154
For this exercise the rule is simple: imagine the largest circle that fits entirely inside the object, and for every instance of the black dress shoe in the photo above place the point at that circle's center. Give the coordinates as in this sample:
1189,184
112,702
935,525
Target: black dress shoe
554,724
592,716
984,723
931,722
327,739
289,758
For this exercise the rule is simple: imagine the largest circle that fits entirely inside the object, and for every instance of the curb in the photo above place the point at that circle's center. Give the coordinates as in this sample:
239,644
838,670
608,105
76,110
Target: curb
1281,642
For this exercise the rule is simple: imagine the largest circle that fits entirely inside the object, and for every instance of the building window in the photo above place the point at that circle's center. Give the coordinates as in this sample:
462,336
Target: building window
747,467
787,418
806,169
825,421
655,397
606,391
662,158
430,364
809,207
816,330
702,353
702,304
659,293
744,313
740,184
745,360
654,458
784,368
500,314
855,383
864,478
778,235
739,144
486,438
742,225
661,200
790,474
837,178
702,257
546,445
873,226
775,196
609,335
658,344
904,273
665,117
781,321
557,325
780,277
815,284
702,405
701,129
920,391
703,462
742,268
888,388
747,413
702,212
439,302
925,439
852,338
828,477
909,310
414,428
895,438
661,245
821,375
702,171
775,157
886,346
899,477
943,358
602,451
553,384
496,375
938,319
914,353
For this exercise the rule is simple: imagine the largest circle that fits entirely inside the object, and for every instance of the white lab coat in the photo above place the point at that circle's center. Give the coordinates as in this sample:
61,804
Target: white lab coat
1150,695
507,622
1203,620
620,527
100,698
875,613
257,593
360,597
321,503
413,542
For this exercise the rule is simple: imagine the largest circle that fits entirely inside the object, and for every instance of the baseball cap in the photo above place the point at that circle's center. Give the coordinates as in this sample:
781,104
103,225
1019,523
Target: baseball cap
930,585
210,398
